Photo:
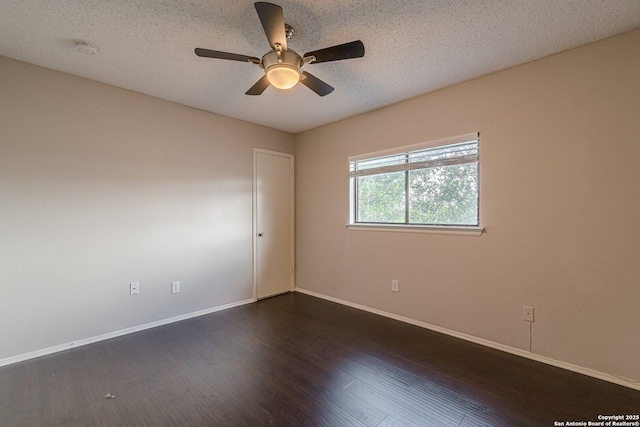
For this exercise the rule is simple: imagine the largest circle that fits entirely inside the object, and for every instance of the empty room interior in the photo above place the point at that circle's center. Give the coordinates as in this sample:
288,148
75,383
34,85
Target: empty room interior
435,224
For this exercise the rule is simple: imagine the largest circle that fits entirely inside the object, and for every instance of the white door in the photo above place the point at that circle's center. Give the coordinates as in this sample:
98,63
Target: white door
273,223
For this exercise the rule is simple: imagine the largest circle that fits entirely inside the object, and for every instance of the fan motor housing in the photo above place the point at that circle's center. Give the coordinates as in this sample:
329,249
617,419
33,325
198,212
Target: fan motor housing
288,57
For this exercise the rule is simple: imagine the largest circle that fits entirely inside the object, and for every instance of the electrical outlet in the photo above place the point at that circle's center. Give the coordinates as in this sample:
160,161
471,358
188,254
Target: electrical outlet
134,288
394,286
175,287
527,313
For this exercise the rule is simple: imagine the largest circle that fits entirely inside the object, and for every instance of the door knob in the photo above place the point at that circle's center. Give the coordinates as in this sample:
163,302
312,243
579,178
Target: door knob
260,234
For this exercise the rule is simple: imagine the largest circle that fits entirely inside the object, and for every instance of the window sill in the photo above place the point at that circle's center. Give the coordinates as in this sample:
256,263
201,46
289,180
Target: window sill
460,231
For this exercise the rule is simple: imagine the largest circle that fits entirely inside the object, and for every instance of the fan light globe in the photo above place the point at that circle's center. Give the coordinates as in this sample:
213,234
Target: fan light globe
283,76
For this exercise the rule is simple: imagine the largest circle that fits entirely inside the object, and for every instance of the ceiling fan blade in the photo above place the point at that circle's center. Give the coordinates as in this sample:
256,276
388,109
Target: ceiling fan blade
315,84
272,20
206,53
354,49
259,87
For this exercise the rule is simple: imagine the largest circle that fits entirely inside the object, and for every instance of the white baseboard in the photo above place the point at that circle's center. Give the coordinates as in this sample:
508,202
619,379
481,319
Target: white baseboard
91,340
508,349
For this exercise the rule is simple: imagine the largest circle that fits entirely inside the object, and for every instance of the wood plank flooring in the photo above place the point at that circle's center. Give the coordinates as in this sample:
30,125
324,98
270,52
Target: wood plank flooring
296,360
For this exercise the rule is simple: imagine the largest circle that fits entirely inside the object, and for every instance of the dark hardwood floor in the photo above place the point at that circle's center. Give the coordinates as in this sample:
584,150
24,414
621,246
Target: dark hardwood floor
296,360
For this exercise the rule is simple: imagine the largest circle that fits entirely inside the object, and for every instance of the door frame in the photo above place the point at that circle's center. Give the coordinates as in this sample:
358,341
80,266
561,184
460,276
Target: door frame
256,152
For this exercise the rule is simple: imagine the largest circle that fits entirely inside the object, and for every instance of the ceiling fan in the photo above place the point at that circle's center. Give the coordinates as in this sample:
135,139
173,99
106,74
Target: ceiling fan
282,66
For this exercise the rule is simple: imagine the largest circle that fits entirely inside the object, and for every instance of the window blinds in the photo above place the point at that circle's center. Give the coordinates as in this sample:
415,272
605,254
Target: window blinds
465,150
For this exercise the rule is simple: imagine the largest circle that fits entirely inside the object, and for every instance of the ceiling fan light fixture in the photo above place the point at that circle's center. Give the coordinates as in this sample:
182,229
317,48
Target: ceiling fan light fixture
282,66
283,76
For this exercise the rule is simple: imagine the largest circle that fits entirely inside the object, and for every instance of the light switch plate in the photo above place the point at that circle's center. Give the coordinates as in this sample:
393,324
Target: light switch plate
134,288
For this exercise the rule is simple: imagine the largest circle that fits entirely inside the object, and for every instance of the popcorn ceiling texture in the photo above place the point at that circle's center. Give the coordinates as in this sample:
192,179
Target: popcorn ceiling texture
412,47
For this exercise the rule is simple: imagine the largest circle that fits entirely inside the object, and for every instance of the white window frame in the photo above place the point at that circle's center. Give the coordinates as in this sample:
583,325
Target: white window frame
469,230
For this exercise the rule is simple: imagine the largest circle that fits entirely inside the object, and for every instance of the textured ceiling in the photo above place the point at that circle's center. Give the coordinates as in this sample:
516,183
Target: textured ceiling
412,47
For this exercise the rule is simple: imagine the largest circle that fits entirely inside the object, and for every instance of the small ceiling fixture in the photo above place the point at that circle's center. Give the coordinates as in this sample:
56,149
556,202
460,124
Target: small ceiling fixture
283,67
84,47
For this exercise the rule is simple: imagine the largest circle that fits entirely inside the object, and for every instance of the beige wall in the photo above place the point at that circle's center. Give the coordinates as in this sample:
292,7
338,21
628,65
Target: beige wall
99,187
559,200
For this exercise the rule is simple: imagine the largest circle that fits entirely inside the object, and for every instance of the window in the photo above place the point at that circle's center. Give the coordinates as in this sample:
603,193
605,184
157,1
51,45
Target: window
431,184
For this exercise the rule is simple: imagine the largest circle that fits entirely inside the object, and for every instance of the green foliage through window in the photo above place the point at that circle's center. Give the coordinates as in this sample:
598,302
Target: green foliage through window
381,198
434,186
